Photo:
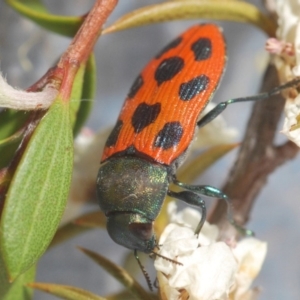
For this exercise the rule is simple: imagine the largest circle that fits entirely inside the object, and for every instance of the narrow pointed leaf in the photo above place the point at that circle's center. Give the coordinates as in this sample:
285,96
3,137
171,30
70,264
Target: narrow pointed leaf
35,11
36,5
8,147
12,138
119,274
78,226
11,121
11,124
88,94
237,11
37,194
66,232
193,169
93,219
75,96
18,288
65,291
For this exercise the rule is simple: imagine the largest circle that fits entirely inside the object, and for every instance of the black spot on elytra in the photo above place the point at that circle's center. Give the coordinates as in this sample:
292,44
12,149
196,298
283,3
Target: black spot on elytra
202,49
168,68
144,115
138,83
113,137
169,136
190,89
171,45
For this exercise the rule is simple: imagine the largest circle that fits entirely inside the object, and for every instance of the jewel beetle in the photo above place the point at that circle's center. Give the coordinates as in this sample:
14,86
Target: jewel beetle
153,132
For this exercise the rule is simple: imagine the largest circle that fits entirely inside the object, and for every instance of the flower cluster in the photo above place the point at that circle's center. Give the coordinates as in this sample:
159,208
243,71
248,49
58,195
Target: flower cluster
210,269
287,61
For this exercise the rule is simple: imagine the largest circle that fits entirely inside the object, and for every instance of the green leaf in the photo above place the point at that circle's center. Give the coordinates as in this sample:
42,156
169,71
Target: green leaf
119,273
12,138
11,124
37,5
37,194
75,97
66,232
18,288
65,291
238,11
8,148
36,11
78,226
11,121
193,169
88,94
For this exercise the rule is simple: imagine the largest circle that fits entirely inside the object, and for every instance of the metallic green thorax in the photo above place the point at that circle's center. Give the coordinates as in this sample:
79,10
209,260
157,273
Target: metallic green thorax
131,192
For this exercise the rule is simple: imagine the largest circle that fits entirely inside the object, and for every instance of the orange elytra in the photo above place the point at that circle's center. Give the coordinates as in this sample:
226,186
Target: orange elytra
159,116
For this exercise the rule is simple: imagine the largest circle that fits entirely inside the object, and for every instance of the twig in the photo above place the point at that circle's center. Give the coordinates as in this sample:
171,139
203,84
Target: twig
83,44
62,76
257,158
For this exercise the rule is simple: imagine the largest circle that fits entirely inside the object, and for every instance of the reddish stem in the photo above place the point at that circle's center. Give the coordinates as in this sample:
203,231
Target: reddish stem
86,37
62,76
83,44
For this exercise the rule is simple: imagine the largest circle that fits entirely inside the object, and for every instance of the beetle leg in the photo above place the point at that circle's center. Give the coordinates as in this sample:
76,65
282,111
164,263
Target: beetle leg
211,191
192,199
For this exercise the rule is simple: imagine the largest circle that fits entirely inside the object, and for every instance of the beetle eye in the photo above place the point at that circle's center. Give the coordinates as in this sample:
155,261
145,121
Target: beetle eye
143,231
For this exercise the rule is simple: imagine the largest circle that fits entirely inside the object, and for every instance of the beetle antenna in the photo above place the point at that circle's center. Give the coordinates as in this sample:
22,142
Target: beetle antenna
212,114
167,258
145,273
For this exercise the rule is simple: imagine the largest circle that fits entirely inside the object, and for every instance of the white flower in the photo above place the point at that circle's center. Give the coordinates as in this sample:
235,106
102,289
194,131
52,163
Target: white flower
211,269
23,100
250,254
287,61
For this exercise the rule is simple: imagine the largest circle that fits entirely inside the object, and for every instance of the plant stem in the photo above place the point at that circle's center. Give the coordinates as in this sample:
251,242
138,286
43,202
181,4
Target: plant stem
83,44
62,76
258,157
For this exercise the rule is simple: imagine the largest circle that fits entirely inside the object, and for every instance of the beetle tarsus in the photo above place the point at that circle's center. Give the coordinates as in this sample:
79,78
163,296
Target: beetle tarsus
192,199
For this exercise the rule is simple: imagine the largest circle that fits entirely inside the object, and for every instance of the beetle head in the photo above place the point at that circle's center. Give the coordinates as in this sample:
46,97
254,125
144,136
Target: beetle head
132,231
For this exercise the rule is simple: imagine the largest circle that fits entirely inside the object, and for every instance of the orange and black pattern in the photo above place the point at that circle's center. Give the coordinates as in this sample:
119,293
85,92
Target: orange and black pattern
160,113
